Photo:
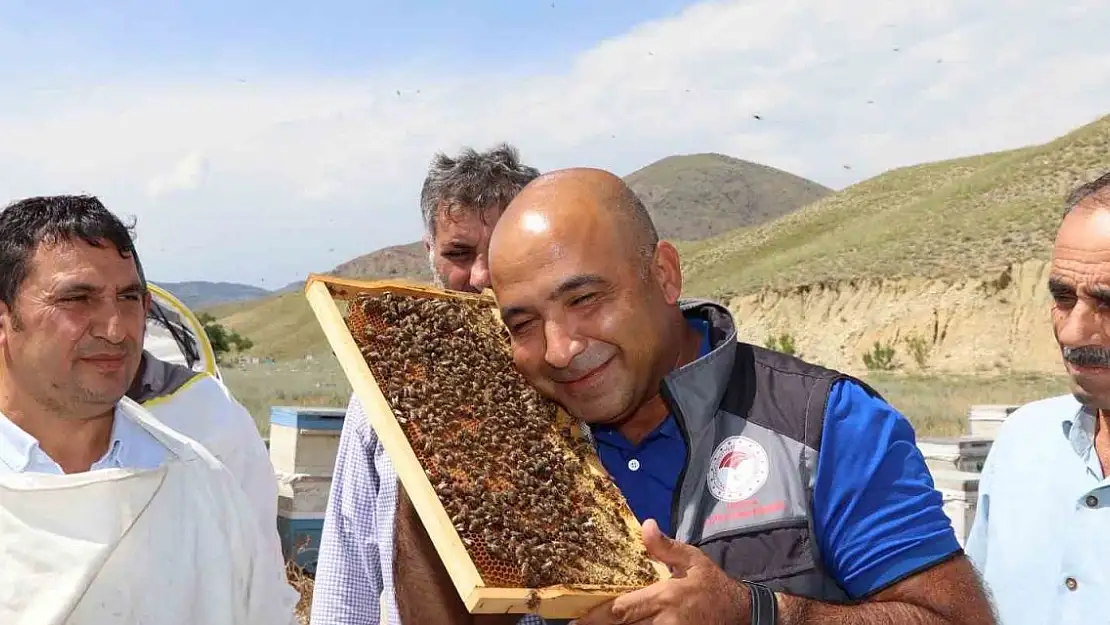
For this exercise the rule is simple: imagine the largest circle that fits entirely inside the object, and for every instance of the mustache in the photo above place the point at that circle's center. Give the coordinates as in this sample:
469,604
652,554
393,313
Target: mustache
106,350
1087,356
591,358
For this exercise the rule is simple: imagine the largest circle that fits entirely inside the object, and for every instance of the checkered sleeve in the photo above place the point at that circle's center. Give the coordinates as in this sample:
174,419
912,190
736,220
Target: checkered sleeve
348,573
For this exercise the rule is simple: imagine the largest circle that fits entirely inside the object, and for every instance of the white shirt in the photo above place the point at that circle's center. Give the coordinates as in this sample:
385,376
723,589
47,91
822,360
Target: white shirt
173,545
1041,536
131,447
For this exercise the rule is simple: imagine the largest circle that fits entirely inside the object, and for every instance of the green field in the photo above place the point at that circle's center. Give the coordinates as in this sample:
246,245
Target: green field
937,405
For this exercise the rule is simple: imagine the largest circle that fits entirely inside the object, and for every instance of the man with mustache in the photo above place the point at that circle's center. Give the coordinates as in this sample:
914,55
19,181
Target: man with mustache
375,556
779,492
1041,535
106,514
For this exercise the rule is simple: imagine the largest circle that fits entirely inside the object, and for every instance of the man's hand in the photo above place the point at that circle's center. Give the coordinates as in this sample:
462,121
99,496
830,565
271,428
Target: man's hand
699,593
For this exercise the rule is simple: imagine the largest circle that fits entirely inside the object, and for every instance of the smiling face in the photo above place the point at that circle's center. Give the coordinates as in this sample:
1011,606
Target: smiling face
73,340
591,321
459,252
1080,288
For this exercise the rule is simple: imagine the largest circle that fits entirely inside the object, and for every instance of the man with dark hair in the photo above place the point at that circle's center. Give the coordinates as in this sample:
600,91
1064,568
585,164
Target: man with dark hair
375,558
1041,535
778,492
103,507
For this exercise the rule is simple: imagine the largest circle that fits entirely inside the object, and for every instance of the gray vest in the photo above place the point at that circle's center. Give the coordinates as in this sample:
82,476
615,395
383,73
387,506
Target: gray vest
752,421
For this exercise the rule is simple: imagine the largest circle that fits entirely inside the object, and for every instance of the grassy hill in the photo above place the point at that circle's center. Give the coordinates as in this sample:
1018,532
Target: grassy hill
408,261
969,217
690,197
944,261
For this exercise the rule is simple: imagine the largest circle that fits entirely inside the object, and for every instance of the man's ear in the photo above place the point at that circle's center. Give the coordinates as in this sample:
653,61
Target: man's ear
667,271
6,322
148,302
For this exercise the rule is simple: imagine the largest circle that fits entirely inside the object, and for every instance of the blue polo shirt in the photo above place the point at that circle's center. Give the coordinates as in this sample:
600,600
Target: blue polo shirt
647,474
876,514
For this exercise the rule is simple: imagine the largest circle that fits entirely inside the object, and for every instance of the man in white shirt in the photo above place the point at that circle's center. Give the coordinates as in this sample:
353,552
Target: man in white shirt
106,515
1041,535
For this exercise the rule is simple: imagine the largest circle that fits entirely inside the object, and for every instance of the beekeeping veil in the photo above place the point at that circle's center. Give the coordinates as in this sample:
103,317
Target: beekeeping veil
173,333
175,545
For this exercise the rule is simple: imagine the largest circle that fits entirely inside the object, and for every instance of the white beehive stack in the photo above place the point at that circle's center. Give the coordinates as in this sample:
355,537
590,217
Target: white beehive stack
956,463
303,445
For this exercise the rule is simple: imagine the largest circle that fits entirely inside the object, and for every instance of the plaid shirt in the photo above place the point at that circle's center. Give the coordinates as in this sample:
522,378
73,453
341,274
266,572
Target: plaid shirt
354,573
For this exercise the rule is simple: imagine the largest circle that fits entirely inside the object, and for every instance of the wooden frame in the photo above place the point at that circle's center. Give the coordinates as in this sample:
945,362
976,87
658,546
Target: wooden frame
556,602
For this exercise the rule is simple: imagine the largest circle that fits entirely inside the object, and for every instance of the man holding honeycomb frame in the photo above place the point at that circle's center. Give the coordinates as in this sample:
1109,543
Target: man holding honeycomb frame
375,558
778,491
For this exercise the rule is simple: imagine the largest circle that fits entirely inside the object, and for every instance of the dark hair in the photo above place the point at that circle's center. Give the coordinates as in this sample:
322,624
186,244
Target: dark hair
473,181
1099,187
26,224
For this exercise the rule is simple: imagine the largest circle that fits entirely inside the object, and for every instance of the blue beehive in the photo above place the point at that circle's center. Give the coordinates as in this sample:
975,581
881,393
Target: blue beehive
303,445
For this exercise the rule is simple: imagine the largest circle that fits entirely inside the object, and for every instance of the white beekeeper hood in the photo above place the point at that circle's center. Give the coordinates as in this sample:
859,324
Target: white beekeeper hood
174,334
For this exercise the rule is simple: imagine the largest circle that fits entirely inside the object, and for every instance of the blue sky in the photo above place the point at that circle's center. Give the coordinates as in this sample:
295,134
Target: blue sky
256,142
109,41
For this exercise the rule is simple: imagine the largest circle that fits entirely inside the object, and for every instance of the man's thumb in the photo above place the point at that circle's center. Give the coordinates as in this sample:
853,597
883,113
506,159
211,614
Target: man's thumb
662,548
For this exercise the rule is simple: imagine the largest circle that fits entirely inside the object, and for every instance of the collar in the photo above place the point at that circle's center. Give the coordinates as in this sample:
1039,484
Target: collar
19,450
696,389
1079,428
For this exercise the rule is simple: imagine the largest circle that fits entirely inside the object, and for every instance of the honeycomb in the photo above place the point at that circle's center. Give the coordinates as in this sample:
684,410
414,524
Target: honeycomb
511,474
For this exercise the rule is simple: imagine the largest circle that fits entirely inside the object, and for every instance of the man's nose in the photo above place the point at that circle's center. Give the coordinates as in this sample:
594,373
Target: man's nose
1083,325
108,323
562,346
479,274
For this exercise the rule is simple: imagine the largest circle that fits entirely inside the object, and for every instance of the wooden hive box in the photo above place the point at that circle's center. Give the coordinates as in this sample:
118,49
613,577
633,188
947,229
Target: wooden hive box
489,575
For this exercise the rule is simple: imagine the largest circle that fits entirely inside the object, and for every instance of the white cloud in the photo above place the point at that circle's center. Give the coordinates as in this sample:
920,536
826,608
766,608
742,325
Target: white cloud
255,182
186,175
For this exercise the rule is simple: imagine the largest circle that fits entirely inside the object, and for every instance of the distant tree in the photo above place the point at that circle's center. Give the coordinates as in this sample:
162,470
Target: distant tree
223,340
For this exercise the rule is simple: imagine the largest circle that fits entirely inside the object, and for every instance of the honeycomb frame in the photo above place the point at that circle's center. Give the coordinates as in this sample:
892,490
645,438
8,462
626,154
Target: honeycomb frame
329,298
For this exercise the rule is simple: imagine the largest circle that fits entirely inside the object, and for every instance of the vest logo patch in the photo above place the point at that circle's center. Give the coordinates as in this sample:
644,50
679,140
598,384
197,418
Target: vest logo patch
738,469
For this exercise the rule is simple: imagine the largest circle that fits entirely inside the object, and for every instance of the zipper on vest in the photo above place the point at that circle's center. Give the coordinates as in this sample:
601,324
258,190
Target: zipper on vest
668,396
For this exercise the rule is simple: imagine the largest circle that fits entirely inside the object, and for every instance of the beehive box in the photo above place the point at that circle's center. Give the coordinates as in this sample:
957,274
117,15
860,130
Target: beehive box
305,440
986,419
516,503
960,492
961,453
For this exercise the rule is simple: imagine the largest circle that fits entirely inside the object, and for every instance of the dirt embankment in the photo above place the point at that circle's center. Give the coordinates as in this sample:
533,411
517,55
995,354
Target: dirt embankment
995,324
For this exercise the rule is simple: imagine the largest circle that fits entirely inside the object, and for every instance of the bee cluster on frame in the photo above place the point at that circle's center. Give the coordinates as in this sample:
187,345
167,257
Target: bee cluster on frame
512,477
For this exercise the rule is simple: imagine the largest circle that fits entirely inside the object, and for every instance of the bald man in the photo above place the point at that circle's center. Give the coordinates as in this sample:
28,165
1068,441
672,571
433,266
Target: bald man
779,492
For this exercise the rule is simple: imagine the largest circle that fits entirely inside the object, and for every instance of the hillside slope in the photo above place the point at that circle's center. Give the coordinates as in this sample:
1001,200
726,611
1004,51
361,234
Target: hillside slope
970,217
946,259
691,197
